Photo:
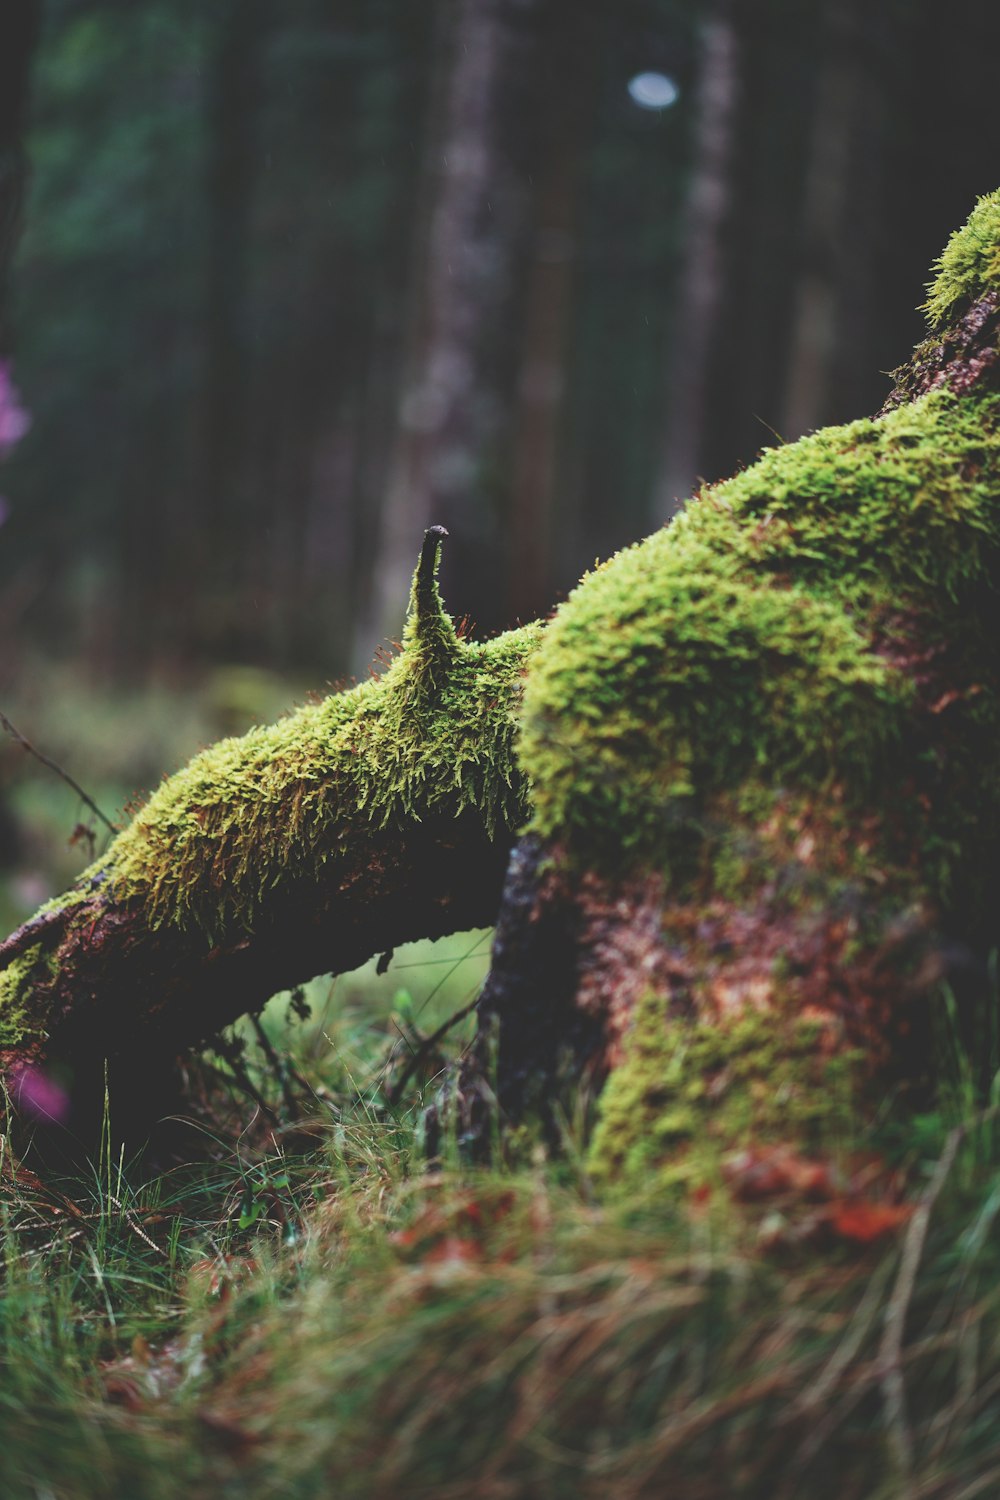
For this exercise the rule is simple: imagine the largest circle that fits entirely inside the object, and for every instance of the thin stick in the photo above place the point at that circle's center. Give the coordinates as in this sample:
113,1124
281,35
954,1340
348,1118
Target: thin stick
427,1045
136,1227
282,1070
891,1346
26,744
241,1077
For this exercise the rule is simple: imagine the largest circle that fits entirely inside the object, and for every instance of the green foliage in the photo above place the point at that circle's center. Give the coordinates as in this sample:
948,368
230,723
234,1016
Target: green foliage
475,1333
969,265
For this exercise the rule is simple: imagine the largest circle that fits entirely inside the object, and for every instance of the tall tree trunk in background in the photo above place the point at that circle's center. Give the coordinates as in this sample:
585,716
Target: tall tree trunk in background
701,283
452,403
839,170
232,112
568,71
18,33
340,404
179,565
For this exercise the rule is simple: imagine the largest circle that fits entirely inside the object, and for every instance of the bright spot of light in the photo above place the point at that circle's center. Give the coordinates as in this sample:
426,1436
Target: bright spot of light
653,91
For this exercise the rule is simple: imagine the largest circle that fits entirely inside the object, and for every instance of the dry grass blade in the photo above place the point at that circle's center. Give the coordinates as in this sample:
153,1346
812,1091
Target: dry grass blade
890,1349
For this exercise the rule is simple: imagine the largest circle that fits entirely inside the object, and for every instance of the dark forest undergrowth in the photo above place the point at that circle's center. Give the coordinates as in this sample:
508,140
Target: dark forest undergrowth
296,1306
304,1309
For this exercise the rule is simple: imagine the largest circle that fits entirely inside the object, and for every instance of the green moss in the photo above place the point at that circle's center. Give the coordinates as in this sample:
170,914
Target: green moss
969,265
687,1092
433,735
27,976
810,855
744,640
18,1023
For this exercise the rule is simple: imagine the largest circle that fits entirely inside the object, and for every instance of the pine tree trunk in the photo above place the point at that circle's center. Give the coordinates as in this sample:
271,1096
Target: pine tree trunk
452,404
18,35
701,283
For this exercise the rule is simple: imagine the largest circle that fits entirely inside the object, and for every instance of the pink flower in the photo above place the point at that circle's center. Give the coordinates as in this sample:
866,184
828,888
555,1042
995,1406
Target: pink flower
14,419
39,1096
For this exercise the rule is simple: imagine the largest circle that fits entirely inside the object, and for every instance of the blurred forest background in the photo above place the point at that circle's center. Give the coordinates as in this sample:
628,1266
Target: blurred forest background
284,281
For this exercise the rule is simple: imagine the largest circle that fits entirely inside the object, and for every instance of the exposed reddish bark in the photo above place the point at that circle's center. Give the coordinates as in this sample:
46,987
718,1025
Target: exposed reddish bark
957,359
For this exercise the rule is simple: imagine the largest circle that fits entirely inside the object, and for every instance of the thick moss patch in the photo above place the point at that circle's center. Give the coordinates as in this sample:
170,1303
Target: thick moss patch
688,1091
785,703
969,265
251,812
746,640
433,737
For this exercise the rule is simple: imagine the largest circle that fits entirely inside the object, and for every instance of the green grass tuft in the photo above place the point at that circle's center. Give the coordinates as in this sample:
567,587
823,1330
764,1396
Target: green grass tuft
375,1330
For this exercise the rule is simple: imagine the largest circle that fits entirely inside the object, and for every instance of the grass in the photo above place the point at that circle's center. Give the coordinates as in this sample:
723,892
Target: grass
301,1309
306,1311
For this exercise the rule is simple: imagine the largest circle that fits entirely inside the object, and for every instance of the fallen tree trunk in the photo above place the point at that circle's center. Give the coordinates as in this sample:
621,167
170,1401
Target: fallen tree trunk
381,815
764,810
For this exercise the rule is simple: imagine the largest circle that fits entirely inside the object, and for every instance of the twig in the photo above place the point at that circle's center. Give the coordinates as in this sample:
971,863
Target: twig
430,551
426,1046
136,1227
280,1068
26,744
241,1077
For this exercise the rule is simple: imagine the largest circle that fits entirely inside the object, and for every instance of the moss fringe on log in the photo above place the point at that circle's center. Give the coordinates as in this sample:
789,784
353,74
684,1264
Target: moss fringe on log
382,814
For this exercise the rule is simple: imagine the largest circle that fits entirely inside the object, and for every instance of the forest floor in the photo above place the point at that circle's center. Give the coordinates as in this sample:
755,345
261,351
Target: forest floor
297,1307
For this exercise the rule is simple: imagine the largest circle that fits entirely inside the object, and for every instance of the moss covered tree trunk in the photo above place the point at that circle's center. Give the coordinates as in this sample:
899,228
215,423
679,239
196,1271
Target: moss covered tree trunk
380,815
766,826
760,753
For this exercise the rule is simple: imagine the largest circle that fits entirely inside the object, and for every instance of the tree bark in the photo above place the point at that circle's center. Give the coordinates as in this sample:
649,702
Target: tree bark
843,176
567,96
233,82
